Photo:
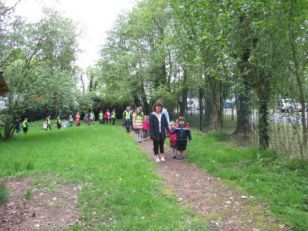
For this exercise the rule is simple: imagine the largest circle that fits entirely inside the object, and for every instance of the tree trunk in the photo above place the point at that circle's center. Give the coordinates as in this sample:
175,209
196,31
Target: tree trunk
243,105
263,123
221,106
200,108
8,129
145,104
215,97
208,112
243,115
184,95
300,85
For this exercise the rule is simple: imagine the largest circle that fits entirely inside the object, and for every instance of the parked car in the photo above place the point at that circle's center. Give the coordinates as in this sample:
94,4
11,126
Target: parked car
193,105
228,105
289,105
285,105
299,107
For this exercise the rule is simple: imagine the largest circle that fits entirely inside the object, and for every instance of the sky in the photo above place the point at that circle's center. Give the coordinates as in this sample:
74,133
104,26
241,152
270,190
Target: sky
93,18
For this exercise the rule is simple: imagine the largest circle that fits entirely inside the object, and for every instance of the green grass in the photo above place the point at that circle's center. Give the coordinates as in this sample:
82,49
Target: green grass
120,188
281,183
4,193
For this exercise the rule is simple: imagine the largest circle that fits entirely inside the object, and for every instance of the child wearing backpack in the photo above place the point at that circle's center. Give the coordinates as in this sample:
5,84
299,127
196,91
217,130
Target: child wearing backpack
183,134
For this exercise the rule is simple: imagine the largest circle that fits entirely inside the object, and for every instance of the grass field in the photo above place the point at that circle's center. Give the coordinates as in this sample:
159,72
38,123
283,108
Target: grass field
119,181
282,184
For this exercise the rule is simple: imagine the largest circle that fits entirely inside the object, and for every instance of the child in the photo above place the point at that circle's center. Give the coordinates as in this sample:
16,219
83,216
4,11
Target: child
48,122
17,126
45,126
77,119
59,123
172,138
101,117
137,125
183,134
92,118
107,116
86,119
127,119
71,120
145,127
113,117
25,126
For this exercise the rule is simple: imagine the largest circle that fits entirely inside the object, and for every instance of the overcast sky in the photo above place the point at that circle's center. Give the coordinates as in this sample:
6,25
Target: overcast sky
93,17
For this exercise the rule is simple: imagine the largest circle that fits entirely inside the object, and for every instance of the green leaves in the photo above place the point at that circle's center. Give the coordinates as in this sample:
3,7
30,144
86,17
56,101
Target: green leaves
38,61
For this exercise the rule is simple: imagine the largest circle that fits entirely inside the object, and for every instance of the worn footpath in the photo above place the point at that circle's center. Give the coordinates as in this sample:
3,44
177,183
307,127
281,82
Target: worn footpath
223,206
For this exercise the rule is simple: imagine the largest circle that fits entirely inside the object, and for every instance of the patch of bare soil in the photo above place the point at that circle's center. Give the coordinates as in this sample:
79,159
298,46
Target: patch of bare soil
39,207
224,206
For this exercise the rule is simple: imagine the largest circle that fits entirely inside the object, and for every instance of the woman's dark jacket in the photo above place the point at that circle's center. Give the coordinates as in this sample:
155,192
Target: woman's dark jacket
154,127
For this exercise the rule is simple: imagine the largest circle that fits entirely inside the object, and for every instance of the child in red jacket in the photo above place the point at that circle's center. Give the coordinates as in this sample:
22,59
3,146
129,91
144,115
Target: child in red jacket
145,127
172,138
106,116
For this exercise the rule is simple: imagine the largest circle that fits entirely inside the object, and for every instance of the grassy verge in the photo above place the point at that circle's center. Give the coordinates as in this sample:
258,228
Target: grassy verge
120,189
282,184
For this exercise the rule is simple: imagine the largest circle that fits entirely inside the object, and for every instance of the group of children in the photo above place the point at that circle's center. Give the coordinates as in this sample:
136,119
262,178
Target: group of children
47,123
89,119
107,117
179,135
138,122
24,125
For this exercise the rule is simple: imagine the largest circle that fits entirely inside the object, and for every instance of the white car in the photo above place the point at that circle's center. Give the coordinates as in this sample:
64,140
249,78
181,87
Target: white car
286,105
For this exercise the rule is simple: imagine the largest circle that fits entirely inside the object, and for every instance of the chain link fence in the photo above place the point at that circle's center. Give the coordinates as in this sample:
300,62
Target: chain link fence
285,127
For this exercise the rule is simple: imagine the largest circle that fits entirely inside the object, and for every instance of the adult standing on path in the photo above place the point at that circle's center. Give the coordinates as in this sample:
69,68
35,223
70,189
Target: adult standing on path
158,128
165,111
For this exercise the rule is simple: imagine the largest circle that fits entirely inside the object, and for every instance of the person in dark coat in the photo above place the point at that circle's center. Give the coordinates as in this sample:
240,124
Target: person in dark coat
159,129
182,132
17,126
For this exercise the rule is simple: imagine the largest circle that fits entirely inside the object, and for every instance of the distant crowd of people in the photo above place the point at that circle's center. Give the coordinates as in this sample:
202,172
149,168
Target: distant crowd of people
106,117
155,126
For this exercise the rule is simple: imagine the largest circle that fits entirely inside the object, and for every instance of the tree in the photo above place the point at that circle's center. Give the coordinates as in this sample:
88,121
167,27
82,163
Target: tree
40,66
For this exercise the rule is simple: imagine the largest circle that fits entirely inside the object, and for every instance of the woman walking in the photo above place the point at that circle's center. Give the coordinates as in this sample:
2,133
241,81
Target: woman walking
158,129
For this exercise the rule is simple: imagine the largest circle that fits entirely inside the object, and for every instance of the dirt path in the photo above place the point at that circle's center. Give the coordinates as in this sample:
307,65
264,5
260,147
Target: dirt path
37,207
223,206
